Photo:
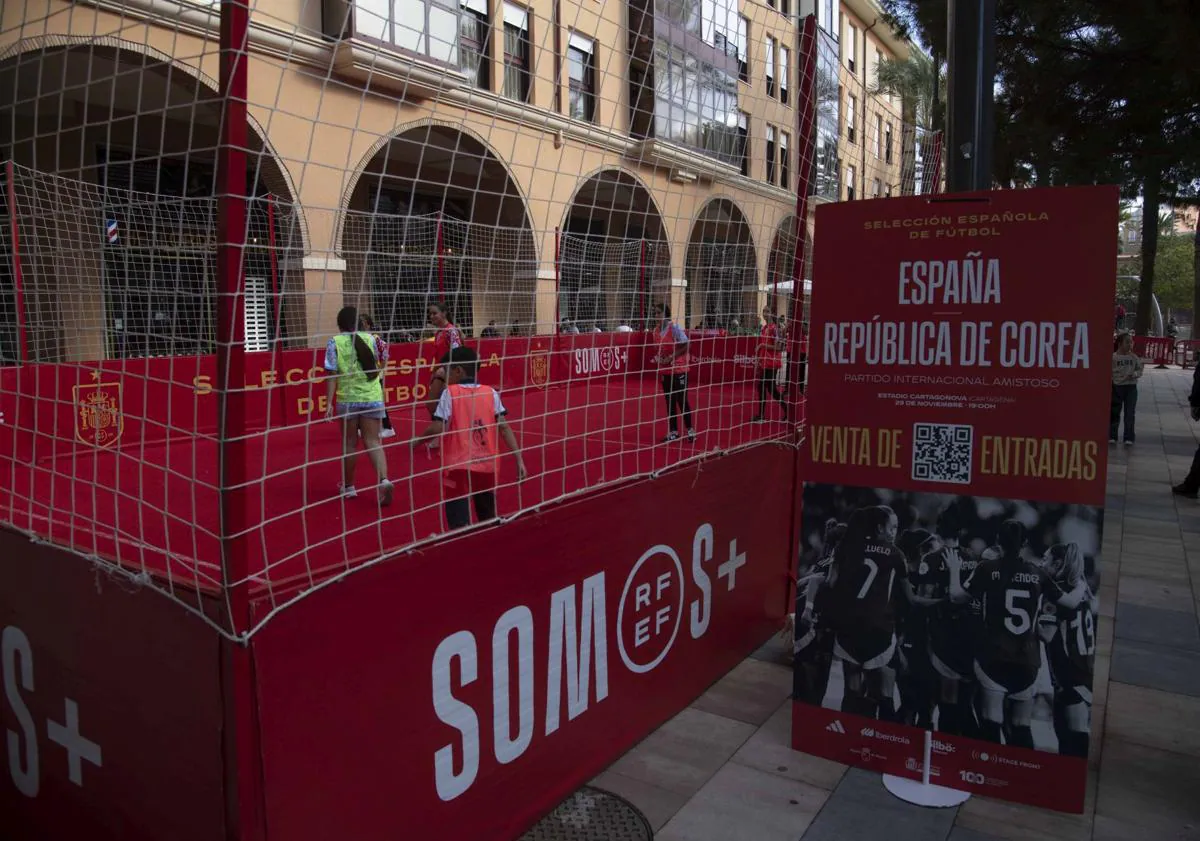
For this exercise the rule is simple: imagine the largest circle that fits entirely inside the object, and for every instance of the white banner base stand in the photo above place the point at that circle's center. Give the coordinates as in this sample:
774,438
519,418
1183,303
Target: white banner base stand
921,792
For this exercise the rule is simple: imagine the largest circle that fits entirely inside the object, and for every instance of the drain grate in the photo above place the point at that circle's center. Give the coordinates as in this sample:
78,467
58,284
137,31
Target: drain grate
592,815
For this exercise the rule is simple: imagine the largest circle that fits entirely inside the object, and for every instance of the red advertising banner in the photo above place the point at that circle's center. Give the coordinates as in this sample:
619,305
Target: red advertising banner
123,402
111,704
467,689
1160,350
954,464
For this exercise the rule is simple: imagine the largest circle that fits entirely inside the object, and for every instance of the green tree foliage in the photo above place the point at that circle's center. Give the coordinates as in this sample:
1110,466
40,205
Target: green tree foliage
1174,271
918,81
1092,92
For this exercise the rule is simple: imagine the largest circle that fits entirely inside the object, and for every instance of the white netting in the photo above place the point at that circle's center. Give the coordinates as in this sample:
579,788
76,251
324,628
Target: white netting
545,175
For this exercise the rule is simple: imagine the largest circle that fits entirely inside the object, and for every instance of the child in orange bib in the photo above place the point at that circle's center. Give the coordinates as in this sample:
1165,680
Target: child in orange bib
468,419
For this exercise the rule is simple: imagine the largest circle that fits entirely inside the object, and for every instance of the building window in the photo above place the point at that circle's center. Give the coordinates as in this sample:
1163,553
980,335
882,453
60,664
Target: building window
826,172
474,31
770,154
771,3
876,188
769,66
785,69
825,17
851,118
887,143
850,181
851,47
695,103
785,8
742,41
581,78
429,29
744,142
784,160
877,140
257,315
516,53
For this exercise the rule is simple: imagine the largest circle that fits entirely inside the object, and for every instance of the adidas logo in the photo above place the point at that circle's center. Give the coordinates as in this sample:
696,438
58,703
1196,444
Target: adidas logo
836,727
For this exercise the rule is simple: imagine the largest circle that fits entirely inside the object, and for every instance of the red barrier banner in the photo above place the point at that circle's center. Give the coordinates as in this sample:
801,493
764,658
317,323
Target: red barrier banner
132,402
955,459
479,682
111,706
1160,350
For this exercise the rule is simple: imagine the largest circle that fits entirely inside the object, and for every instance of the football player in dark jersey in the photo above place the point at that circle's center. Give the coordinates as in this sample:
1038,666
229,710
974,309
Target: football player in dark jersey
915,678
1071,651
867,571
953,629
1011,589
813,645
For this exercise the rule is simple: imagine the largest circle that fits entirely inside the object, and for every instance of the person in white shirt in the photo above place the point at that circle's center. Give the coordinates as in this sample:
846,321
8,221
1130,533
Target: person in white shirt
1127,368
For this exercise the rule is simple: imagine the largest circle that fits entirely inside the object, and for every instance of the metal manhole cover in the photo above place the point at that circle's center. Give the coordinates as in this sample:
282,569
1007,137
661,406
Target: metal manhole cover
592,815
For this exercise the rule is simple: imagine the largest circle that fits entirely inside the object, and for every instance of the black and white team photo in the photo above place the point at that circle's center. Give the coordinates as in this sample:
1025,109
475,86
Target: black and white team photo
967,616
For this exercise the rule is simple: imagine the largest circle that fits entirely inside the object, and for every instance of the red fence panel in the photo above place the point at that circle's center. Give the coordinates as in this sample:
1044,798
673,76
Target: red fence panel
1159,350
481,681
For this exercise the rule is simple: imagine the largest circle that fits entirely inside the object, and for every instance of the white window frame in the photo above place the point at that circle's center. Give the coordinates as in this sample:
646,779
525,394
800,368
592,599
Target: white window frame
785,171
587,46
256,312
769,64
785,61
771,169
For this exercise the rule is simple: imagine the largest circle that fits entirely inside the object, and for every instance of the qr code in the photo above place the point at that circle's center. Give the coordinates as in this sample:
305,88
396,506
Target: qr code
942,452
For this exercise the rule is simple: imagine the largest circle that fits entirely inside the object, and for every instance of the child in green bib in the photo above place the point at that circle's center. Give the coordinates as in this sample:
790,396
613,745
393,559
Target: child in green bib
354,392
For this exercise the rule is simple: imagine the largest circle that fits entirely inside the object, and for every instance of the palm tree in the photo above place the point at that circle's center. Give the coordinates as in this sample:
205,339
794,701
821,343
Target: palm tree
920,84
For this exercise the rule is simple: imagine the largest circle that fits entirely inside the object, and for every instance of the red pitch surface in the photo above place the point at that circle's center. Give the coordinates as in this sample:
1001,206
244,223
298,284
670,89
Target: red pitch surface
162,506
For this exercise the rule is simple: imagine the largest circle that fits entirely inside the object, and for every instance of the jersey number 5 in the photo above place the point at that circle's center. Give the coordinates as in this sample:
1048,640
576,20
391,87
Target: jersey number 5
1018,622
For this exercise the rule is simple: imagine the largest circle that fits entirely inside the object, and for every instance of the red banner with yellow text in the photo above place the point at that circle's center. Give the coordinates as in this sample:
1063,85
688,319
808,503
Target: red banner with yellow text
133,402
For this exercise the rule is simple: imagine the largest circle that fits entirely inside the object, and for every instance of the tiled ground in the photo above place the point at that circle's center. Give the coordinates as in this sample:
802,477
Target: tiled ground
722,770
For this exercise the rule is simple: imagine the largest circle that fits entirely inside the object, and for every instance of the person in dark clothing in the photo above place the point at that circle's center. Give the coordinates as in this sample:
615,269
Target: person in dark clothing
1190,486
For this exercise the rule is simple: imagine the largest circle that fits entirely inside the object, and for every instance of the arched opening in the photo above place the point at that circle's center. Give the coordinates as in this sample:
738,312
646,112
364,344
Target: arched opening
721,269
613,252
114,178
436,216
780,265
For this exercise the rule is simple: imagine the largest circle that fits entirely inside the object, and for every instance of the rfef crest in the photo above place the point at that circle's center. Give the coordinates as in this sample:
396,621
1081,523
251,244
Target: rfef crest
99,420
539,369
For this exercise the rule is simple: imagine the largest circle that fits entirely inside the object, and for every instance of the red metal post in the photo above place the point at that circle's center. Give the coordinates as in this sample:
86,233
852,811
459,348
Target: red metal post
277,301
806,132
240,742
441,261
642,291
557,259
18,278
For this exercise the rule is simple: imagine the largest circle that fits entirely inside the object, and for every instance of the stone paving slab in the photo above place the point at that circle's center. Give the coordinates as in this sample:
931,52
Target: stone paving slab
862,808
1177,629
1169,669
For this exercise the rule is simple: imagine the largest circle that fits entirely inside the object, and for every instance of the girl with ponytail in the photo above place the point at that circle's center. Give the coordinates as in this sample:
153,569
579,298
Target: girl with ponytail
354,392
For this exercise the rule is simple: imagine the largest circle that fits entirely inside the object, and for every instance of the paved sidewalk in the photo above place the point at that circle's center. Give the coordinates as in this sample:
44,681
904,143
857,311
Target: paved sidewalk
722,770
